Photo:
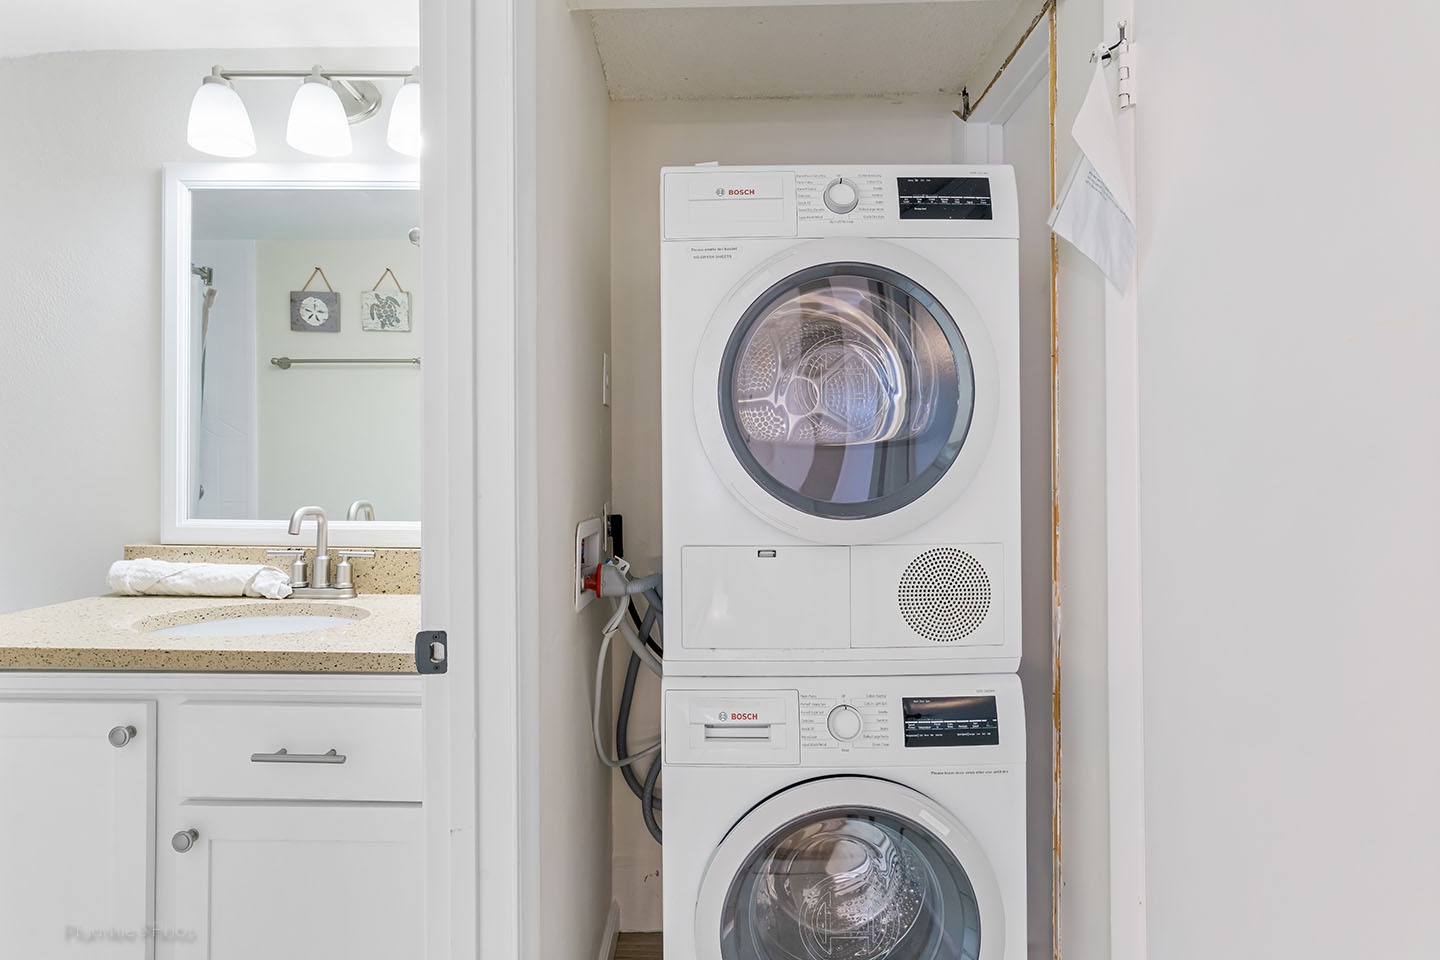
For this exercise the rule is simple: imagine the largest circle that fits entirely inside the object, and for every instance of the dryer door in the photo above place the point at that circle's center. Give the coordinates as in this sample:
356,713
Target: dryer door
849,868
846,390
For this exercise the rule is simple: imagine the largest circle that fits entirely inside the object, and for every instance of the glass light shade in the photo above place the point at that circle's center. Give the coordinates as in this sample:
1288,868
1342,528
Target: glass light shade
317,123
218,122
403,133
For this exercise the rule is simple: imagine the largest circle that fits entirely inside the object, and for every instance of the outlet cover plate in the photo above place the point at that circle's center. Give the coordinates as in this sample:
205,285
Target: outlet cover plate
589,541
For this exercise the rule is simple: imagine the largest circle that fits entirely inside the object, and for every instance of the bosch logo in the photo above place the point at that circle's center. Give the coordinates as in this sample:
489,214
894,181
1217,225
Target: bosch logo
740,716
719,191
734,191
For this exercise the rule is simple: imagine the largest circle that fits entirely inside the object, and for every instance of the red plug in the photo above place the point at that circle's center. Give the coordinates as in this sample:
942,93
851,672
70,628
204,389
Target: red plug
591,580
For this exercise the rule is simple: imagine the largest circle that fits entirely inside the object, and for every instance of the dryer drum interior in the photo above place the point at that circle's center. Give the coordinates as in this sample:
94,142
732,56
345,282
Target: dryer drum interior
846,390
851,883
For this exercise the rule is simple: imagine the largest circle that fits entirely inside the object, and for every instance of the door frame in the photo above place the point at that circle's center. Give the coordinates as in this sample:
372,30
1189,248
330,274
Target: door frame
477,870
980,139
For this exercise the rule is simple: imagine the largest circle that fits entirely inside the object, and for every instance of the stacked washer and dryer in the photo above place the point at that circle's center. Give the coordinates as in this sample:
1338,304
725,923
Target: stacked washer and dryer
844,735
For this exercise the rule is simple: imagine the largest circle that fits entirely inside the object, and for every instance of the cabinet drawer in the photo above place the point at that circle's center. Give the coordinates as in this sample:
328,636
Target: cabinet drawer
233,751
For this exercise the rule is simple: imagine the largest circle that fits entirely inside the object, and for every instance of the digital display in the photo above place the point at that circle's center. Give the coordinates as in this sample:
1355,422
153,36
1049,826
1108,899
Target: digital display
951,721
944,198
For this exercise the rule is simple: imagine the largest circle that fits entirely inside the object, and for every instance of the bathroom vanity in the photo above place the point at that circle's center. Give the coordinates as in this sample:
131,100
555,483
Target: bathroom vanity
237,796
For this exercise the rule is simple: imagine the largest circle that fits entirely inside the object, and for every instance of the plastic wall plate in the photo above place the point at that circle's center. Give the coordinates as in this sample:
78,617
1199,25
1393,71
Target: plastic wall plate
589,541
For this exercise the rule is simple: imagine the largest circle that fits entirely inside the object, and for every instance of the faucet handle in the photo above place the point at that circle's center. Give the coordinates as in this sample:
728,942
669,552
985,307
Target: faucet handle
343,568
297,564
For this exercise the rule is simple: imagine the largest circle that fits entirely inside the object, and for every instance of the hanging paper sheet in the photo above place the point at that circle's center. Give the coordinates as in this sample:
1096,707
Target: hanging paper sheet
1096,209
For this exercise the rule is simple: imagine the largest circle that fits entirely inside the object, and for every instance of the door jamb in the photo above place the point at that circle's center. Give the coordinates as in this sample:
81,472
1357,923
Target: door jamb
470,530
981,140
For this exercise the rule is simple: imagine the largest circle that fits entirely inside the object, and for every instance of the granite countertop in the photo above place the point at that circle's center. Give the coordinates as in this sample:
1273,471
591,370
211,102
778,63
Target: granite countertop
112,633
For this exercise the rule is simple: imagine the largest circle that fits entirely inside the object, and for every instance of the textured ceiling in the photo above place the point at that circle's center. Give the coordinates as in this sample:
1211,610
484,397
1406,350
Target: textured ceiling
52,26
796,51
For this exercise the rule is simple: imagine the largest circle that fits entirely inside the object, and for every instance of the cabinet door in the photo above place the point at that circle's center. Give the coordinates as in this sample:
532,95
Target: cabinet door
76,815
295,883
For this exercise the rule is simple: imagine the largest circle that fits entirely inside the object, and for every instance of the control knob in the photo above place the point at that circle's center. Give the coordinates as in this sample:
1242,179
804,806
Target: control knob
841,195
844,722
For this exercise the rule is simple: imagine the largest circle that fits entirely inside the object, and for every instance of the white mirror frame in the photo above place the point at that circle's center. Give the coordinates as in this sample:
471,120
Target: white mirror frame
176,427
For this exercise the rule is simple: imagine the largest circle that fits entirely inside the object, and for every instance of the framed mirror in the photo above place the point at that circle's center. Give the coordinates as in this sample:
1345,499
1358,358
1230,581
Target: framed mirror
291,352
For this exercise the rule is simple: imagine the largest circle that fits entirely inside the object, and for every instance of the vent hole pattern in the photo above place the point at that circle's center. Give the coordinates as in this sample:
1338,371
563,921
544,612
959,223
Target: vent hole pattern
944,594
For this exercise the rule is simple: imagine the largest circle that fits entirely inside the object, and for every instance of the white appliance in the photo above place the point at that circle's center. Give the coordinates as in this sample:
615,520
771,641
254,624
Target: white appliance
845,818
840,419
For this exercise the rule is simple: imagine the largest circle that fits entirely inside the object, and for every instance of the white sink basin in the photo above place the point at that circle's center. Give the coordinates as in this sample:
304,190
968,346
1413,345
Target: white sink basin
253,626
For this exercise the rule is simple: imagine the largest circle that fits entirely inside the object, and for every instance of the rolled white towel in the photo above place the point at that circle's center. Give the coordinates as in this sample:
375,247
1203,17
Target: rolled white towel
166,579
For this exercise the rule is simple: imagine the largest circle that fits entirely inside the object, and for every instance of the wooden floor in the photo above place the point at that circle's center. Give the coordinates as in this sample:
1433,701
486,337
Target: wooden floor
639,946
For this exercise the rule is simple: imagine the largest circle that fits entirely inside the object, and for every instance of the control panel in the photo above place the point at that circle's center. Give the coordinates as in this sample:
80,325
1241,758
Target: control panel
830,197
926,200
822,721
852,720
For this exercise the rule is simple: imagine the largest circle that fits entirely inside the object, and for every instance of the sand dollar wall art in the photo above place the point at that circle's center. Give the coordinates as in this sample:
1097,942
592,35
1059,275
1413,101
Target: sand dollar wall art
315,311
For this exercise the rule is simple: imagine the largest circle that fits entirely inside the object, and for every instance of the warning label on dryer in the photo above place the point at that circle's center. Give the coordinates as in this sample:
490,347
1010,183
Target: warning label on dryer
714,251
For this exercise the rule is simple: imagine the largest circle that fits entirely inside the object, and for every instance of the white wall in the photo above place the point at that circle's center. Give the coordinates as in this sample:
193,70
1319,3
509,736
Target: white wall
331,435
1288,335
570,335
643,138
85,136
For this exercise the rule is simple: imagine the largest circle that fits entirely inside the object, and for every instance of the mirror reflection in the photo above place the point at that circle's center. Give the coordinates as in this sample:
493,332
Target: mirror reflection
304,339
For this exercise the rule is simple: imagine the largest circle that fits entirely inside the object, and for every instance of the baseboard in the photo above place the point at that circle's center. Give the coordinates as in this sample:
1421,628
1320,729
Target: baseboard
611,935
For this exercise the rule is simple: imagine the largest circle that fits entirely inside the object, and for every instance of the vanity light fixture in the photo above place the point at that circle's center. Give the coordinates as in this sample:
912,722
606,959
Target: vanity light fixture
326,105
218,122
403,133
317,123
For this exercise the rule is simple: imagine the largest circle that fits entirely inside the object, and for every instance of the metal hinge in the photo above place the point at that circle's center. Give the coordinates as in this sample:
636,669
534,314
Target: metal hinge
431,653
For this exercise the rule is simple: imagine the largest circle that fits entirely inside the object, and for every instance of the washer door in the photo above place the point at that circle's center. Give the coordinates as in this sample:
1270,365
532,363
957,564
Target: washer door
849,868
846,390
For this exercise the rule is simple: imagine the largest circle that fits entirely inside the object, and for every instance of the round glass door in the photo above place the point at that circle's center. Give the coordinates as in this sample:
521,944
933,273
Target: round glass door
846,390
850,883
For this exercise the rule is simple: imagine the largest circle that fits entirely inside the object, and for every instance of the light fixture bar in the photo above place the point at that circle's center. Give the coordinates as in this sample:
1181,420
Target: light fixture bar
301,74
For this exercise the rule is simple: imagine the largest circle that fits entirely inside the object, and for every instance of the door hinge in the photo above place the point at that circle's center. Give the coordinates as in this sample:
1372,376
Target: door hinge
431,653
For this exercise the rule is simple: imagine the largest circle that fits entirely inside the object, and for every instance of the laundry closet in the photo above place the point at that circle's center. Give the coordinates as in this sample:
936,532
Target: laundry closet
622,89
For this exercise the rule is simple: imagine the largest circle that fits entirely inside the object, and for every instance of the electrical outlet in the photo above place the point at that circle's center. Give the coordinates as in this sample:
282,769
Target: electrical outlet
589,543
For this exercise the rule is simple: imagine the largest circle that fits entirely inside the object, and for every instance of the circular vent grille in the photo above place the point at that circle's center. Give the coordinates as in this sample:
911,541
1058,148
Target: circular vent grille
944,594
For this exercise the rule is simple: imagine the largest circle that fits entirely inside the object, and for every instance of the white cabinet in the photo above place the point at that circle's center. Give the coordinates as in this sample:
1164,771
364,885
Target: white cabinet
76,811
244,817
297,882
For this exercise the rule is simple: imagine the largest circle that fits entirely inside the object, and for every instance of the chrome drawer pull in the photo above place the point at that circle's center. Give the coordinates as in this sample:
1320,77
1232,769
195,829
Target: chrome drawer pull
285,756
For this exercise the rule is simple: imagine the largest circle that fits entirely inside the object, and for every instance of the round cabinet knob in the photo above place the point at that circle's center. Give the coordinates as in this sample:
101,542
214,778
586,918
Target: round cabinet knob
119,736
844,722
841,196
184,840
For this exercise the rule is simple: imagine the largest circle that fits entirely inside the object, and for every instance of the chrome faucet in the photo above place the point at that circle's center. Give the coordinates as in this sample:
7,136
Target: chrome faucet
320,566
320,585
361,510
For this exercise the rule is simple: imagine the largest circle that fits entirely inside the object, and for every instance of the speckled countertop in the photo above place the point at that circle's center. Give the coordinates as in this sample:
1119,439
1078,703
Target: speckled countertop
112,633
